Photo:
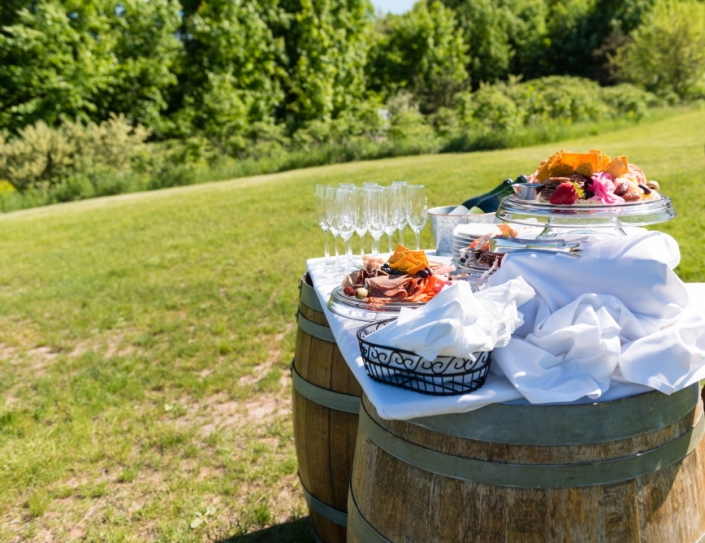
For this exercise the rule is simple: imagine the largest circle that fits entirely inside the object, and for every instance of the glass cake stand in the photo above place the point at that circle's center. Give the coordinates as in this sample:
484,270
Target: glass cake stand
558,220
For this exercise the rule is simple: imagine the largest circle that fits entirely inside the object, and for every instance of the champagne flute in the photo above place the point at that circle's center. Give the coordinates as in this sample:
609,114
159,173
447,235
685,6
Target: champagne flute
400,212
330,217
374,215
360,223
417,207
390,224
345,220
322,218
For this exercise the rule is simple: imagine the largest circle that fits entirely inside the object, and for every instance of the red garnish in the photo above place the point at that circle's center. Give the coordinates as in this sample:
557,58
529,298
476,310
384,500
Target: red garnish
566,194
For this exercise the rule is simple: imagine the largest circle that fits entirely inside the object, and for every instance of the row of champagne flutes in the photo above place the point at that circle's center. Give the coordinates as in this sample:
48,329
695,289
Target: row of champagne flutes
348,209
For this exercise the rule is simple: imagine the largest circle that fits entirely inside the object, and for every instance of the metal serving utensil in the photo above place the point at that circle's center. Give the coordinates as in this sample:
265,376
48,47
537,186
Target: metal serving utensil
503,244
527,191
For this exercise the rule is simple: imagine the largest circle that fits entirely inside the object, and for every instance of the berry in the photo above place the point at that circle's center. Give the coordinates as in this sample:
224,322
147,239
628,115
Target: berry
566,194
349,291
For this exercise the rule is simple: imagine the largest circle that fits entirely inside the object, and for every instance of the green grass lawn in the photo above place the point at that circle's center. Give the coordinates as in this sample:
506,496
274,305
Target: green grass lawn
145,340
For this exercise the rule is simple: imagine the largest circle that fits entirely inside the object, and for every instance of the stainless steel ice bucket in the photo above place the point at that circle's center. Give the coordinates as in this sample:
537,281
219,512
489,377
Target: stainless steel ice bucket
443,224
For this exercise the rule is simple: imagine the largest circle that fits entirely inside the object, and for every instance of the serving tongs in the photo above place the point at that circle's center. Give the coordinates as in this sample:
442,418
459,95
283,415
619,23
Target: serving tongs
504,244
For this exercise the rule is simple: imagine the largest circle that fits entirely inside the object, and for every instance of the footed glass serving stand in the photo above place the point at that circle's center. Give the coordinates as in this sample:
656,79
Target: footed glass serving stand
560,220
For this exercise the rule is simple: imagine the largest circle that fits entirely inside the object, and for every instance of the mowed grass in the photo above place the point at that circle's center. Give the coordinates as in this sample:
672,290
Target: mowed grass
145,340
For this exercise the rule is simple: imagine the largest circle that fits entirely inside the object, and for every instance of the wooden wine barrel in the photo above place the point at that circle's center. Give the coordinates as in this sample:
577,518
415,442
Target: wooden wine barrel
326,401
615,472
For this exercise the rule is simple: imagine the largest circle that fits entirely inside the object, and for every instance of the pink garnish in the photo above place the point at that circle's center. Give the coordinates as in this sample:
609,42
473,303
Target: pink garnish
603,187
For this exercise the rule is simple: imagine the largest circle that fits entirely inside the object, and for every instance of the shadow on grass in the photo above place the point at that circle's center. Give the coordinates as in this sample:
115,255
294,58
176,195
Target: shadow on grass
295,531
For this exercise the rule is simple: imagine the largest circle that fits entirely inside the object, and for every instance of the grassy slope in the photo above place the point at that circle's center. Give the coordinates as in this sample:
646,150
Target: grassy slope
144,339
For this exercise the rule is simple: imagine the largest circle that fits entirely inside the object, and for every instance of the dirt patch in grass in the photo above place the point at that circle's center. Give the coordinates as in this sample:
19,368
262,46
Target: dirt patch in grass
221,412
263,369
111,344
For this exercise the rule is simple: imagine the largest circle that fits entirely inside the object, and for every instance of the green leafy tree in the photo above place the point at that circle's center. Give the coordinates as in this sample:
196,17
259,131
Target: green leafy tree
422,52
534,38
327,42
86,59
231,71
500,35
40,157
580,34
54,60
144,55
667,54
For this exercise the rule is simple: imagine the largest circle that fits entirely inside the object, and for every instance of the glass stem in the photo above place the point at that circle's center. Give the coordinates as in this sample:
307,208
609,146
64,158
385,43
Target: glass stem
401,235
389,242
375,246
362,245
325,243
348,253
416,233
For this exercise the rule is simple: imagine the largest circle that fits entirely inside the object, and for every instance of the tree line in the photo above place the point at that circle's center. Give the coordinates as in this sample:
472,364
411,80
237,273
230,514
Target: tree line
207,79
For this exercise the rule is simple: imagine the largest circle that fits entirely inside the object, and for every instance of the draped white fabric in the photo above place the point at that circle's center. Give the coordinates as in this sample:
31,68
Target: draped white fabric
614,323
458,322
619,312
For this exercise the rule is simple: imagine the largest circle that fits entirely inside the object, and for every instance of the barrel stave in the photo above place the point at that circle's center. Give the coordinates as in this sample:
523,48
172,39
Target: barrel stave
324,437
533,454
409,504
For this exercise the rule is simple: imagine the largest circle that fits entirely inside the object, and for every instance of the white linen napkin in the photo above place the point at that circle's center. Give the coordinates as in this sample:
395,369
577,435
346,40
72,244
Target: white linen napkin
458,322
637,270
616,313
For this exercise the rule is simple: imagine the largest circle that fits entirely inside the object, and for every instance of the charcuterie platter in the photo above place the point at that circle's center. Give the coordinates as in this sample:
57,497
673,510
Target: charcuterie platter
380,289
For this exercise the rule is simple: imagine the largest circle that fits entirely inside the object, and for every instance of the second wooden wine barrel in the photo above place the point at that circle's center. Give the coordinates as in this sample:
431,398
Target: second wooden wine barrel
326,401
623,471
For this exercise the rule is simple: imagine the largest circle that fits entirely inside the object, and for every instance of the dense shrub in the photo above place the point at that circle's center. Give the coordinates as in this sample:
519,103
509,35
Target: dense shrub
41,157
77,160
667,53
509,106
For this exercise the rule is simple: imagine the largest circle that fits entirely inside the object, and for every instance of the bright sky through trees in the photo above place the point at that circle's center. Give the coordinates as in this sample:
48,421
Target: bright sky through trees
393,6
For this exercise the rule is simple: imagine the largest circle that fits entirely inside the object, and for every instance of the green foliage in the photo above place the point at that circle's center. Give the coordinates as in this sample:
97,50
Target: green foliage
52,63
509,106
230,71
667,54
326,48
41,157
144,54
495,30
535,38
87,59
422,52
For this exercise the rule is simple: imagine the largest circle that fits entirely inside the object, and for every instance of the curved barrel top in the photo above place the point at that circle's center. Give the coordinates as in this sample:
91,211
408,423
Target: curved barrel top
309,297
576,425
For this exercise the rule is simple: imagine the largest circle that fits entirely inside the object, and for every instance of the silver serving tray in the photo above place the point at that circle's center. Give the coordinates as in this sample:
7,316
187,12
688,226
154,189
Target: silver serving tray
348,306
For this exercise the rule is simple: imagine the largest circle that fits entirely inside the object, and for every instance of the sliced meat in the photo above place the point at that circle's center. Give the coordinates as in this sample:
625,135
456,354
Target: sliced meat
391,287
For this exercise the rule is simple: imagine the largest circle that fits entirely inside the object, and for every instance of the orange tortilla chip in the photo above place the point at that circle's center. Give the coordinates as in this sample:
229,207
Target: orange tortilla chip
507,230
618,167
404,262
583,163
546,167
416,269
407,261
398,254
563,164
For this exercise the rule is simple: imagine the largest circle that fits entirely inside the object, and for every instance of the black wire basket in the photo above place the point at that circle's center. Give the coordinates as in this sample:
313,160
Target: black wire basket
444,376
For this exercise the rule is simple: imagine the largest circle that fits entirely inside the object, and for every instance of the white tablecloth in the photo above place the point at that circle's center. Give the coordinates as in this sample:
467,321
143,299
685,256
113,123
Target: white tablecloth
396,403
